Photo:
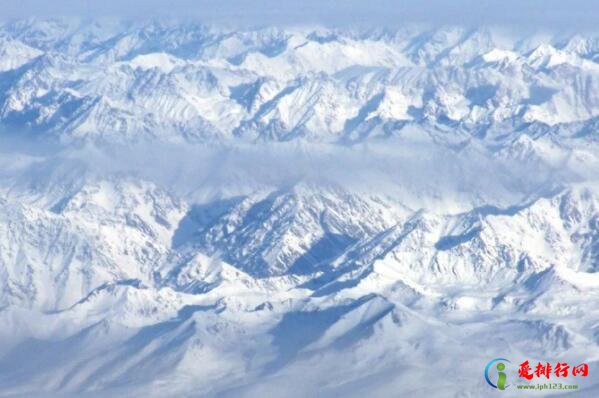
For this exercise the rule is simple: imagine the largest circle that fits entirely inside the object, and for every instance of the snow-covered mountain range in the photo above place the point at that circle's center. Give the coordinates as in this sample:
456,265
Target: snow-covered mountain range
188,210
188,82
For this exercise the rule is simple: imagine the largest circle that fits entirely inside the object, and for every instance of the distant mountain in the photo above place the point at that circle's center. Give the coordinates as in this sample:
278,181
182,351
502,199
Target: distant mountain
186,82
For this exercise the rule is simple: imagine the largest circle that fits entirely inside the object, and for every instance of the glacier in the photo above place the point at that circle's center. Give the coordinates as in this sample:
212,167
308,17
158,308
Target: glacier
194,210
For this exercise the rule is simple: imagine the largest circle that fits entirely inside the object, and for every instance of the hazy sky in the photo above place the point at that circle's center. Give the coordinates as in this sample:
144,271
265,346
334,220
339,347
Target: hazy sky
562,14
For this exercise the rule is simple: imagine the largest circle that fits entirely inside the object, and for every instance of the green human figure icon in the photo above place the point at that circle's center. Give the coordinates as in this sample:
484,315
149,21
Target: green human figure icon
501,377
